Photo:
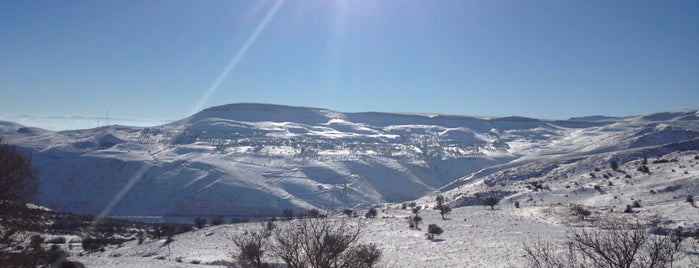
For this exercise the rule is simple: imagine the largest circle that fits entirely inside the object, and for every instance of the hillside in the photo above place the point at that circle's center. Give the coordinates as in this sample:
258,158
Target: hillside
253,160
475,235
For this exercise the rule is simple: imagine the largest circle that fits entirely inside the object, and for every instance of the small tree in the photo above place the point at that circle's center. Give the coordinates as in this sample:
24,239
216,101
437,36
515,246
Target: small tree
140,236
690,200
92,245
288,214
444,209
491,201
217,220
440,200
35,242
199,222
347,212
18,185
636,203
269,225
416,209
18,181
614,164
516,204
314,213
580,212
416,220
644,169
433,230
371,213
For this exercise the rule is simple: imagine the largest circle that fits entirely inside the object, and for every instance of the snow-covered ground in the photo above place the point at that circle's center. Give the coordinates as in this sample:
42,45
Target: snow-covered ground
475,235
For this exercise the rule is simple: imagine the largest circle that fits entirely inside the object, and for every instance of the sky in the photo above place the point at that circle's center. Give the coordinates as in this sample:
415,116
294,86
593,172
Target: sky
160,60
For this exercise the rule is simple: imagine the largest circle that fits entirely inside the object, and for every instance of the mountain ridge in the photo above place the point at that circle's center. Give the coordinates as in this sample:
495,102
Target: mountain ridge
258,159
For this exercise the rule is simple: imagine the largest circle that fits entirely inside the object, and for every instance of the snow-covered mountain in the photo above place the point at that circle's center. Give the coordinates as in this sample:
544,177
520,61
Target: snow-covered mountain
257,159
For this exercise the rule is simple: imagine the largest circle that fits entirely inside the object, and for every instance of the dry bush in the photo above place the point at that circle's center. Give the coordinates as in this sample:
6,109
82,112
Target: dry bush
322,242
252,247
613,245
580,212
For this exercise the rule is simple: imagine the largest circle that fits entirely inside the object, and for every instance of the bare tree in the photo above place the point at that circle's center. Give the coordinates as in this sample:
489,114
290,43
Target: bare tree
199,222
18,181
217,220
615,245
18,185
288,214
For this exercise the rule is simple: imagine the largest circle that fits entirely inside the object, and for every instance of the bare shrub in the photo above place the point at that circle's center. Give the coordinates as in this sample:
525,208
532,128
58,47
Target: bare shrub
366,256
288,214
199,222
614,245
318,242
217,220
636,204
251,246
92,244
580,212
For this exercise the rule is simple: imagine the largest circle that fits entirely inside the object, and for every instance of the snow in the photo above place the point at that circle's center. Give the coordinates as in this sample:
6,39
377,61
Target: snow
473,237
254,160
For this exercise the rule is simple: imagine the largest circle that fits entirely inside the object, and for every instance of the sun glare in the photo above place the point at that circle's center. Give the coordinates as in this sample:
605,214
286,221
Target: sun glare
238,56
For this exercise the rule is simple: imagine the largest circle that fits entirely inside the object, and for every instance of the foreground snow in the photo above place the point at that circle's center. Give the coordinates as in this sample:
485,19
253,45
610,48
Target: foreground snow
473,237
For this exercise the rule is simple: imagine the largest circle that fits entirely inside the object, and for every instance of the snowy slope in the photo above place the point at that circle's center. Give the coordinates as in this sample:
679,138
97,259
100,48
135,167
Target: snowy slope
255,159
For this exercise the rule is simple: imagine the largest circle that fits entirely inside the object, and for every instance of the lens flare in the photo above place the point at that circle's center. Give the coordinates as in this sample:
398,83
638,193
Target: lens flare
236,59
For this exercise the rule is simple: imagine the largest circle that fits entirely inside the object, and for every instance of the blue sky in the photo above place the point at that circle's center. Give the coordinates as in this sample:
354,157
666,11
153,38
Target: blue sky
163,60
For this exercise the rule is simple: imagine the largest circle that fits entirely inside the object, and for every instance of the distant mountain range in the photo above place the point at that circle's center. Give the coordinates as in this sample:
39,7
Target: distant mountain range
257,159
